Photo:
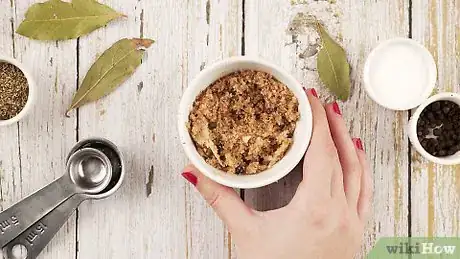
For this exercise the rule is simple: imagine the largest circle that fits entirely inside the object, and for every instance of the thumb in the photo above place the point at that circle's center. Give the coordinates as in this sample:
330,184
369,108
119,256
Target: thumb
224,200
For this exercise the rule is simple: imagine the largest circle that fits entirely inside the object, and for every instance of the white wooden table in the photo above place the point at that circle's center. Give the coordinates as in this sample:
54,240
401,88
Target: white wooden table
412,196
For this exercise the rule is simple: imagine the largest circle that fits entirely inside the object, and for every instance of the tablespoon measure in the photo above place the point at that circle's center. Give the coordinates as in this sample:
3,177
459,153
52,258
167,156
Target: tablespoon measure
37,237
88,172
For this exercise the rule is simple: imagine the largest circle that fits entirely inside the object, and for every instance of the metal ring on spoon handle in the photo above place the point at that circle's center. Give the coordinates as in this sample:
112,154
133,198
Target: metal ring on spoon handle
37,237
22,215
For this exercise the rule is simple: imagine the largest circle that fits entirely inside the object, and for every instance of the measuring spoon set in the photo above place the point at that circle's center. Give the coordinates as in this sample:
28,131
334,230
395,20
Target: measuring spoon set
94,170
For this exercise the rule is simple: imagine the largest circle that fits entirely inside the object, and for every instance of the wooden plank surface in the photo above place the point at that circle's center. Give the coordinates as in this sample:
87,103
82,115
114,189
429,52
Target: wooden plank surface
214,32
10,163
38,145
435,188
279,31
172,221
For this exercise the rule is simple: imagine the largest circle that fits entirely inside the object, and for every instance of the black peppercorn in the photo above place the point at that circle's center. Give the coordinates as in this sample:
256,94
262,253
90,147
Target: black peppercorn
426,131
430,116
451,151
437,132
438,128
424,142
457,147
446,110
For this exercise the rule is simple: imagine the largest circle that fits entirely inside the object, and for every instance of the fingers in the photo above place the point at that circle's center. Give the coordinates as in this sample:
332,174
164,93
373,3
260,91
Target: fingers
335,163
366,194
224,200
350,176
321,156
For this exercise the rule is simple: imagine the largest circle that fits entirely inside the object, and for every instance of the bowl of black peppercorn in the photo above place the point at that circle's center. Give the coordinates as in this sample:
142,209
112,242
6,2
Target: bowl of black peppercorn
434,129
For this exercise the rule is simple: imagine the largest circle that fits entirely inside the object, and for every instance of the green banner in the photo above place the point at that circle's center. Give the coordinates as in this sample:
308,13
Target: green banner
416,248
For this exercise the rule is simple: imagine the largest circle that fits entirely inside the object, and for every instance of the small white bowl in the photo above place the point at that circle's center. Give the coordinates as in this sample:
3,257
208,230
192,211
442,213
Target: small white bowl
399,74
302,133
31,97
449,160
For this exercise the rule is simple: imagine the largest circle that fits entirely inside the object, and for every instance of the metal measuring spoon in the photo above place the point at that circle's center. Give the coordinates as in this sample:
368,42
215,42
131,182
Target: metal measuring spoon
37,237
88,171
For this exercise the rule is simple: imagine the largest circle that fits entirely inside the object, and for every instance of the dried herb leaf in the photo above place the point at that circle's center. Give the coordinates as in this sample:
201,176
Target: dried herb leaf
59,20
333,67
111,69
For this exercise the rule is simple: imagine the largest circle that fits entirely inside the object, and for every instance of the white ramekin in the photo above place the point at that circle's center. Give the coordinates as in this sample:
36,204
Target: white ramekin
302,132
412,131
375,64
31,97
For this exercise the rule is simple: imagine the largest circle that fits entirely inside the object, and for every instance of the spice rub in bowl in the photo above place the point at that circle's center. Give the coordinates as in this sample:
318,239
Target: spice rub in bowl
14,90
244,122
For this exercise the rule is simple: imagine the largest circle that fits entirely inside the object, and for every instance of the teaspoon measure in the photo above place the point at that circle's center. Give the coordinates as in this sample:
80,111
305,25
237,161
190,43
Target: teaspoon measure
88,172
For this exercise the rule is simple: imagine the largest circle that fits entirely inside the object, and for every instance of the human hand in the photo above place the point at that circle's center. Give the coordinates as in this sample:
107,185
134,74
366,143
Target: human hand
326,217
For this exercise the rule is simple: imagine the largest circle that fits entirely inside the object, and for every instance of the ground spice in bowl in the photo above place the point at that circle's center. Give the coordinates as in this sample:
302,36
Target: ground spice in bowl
244,122
438,128
14,91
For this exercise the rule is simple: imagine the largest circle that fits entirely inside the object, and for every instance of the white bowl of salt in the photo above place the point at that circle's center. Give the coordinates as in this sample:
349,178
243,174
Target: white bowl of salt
400,74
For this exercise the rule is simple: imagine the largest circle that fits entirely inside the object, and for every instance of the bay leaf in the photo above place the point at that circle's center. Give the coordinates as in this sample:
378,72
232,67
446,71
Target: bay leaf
111,69
59,20
333,67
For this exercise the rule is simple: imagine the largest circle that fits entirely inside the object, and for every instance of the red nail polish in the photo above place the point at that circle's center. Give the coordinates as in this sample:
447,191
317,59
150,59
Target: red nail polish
358,144
336,108
313,92
190,177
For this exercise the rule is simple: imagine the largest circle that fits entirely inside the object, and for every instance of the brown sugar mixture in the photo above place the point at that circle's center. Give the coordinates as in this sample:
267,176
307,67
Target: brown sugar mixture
244,122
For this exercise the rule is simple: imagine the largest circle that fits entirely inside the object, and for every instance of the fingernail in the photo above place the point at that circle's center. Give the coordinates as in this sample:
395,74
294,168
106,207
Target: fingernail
358,143
313,92
336,108
190,177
